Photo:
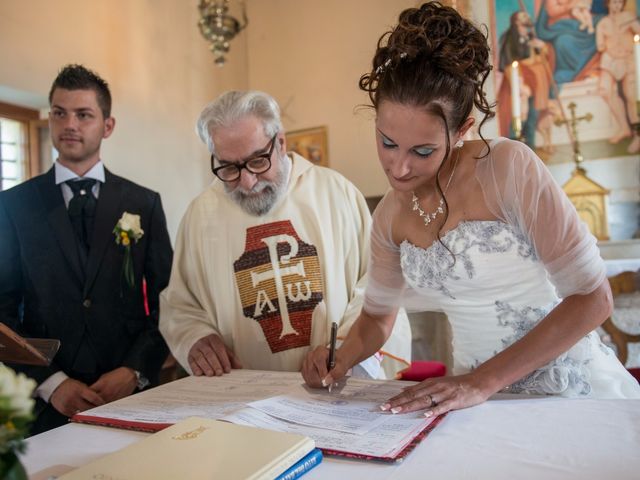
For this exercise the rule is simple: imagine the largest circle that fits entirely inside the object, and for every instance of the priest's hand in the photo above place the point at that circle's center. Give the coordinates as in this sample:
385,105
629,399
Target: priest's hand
211,357
116,384
72,397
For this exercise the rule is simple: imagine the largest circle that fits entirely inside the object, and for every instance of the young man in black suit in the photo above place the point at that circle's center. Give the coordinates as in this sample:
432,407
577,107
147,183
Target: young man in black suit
63,274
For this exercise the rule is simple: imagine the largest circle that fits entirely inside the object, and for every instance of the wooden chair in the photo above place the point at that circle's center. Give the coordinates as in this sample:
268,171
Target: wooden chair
625,282
621,284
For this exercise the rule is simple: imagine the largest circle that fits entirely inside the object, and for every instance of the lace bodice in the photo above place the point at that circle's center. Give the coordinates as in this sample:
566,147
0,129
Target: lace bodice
452,265
497,279
486,277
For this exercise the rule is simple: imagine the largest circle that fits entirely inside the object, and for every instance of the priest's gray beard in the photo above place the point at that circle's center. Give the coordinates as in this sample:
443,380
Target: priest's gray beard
270,191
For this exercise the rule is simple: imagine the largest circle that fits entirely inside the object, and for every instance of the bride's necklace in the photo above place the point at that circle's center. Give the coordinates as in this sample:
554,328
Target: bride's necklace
429,217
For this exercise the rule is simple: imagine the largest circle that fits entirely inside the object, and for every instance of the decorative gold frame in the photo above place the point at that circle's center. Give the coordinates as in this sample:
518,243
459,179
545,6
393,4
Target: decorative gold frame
311,143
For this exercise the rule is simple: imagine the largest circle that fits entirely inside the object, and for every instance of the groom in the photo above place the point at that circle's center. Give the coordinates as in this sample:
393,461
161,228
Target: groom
64,276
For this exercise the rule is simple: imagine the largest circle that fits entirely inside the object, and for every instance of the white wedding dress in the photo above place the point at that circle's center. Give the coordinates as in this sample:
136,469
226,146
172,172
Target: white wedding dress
483,295
505,275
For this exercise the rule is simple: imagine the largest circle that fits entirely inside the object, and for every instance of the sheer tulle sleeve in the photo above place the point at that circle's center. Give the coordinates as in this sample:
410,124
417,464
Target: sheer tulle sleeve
520,190
386,285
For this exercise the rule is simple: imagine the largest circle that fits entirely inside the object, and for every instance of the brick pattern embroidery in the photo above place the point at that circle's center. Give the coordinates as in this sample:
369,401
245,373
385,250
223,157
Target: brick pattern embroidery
280,283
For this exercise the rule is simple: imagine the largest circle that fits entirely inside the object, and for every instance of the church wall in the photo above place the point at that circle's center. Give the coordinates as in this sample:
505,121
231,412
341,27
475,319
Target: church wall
159,68
309,56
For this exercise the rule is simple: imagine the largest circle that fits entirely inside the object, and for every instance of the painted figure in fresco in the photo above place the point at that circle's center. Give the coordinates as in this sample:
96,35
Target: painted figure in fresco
519,43
570,54
614,40
581,11
574,48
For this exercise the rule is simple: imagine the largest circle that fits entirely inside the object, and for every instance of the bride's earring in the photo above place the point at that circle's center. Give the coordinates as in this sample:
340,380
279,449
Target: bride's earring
459,143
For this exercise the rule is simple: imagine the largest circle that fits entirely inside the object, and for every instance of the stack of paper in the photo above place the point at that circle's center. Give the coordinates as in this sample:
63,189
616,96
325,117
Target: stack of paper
347,421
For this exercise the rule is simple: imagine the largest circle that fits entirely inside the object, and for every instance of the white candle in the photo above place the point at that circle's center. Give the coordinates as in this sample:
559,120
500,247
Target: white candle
636,50
515,91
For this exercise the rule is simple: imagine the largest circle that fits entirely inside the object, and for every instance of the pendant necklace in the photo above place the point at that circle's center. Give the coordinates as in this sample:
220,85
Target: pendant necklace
429,217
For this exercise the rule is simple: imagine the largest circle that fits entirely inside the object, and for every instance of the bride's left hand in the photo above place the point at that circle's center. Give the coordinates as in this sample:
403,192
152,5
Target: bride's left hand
439,395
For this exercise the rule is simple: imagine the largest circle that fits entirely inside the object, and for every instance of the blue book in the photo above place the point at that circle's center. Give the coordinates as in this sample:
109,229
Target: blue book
312,459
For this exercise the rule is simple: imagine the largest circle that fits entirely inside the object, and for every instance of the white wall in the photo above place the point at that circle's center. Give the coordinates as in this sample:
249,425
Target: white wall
309,55
159,68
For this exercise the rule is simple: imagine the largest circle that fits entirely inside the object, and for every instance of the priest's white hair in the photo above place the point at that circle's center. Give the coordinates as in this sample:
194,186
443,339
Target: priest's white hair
234,105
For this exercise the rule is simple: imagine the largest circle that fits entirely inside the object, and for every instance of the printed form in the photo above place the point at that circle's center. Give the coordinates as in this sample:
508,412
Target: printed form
348,419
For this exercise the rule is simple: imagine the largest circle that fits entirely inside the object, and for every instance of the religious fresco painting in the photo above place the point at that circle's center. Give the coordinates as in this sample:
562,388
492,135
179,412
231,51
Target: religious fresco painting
575,62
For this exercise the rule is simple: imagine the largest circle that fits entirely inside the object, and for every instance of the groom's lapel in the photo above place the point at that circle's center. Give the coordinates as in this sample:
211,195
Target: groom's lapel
107,215
59,222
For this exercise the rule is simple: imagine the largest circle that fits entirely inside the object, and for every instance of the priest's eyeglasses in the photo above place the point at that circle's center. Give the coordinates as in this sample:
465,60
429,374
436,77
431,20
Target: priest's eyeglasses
230,172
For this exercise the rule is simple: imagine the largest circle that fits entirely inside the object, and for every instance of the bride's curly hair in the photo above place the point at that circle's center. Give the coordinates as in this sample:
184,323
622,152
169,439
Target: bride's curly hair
436,59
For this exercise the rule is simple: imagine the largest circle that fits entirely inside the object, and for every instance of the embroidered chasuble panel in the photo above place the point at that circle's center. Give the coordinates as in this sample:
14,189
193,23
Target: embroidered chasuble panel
280,283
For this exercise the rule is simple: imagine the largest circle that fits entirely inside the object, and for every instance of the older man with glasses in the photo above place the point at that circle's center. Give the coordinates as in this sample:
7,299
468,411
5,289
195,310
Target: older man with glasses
270,255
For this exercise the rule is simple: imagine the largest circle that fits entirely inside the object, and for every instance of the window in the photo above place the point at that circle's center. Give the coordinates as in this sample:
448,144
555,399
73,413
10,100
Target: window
19,159
13,168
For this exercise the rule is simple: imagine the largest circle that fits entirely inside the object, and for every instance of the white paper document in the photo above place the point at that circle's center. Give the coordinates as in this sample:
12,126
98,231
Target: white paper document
386,440
346,420
326,417
331,412
209,397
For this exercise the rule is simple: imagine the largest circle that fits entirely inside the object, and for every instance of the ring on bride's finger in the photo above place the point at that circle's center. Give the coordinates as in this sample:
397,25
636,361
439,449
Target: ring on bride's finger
432,400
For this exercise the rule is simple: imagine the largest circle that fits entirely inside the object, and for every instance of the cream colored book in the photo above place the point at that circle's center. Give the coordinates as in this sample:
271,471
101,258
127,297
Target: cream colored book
200,448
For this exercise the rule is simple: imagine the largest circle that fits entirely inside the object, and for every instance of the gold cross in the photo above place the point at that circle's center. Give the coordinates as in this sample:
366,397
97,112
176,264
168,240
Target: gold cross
573,126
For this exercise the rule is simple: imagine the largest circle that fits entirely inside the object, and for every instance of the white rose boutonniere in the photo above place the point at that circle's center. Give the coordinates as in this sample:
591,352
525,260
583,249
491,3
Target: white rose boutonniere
127,230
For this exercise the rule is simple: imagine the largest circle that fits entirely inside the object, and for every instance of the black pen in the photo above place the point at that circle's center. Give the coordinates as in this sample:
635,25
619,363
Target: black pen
332,349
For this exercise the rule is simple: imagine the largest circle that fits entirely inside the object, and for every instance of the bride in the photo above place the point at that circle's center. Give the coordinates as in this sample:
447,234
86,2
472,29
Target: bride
478,230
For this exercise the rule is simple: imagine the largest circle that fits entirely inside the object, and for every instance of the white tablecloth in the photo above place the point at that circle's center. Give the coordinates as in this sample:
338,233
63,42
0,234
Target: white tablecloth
543,438
614,267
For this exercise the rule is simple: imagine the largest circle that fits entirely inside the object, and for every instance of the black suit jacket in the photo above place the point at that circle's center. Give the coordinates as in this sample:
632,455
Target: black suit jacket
47,291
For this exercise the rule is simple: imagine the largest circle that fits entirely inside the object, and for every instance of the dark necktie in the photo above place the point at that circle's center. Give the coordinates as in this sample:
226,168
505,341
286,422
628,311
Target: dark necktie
82,210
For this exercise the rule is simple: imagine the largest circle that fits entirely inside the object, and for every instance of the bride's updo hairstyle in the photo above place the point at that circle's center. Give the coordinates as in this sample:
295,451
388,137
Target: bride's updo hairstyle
434,59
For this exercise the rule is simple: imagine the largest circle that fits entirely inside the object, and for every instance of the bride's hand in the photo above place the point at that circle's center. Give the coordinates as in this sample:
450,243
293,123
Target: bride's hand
439,395
314,368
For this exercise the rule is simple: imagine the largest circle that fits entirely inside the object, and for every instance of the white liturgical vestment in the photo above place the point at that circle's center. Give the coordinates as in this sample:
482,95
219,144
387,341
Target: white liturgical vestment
271,286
